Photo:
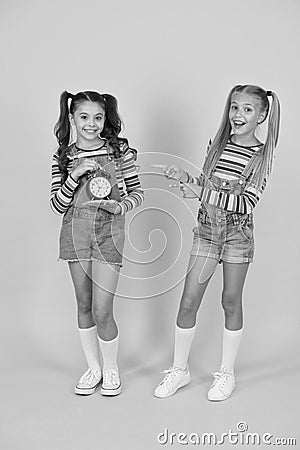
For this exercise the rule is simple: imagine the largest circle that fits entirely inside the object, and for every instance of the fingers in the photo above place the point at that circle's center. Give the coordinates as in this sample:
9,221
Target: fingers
181,186
92,203
169,170
159,166
91,164
184,189
108,202
105,204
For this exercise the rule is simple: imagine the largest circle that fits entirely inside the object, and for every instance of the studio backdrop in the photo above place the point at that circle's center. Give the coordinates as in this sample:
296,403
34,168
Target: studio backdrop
171,65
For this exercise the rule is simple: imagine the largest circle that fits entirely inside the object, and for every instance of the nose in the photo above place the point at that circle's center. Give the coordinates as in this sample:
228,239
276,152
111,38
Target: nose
238,113
91,122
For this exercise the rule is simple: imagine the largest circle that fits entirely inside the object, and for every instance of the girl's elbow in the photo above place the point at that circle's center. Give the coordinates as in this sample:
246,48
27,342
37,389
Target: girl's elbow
55,210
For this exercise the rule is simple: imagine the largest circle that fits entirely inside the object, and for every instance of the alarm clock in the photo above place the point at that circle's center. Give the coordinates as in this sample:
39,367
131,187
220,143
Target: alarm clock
98,185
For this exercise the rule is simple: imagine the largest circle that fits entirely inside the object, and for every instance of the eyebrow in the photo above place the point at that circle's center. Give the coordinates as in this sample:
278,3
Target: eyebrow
87,114
248,104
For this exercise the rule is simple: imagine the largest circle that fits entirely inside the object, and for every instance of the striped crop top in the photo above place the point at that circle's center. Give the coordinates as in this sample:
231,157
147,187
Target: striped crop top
230,166
131,192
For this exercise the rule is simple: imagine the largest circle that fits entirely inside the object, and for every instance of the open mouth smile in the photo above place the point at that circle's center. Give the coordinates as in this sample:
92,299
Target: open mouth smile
238,123
90,131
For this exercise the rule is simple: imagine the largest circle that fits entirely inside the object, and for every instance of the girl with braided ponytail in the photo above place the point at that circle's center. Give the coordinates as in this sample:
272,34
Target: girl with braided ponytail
94,183
235,172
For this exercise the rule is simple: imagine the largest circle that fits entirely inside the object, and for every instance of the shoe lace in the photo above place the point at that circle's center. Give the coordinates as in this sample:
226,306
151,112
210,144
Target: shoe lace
221,378
170,376
90,376
110,377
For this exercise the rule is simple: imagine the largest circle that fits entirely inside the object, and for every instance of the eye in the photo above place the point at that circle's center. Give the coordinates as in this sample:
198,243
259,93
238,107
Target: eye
83,117
99,117
233,107
248,110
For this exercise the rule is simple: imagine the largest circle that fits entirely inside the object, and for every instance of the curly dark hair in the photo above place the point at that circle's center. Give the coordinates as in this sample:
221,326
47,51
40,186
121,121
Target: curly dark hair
62,129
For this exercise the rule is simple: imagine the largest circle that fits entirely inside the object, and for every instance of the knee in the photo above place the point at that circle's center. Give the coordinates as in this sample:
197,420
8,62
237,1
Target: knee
188,304
102,316
84,303
231,302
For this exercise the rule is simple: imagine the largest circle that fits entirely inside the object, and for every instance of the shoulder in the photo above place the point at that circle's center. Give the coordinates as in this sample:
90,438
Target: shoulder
67,151
55,155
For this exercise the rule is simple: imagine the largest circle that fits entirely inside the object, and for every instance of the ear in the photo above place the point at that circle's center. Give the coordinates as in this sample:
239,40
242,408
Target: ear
71,119
261,117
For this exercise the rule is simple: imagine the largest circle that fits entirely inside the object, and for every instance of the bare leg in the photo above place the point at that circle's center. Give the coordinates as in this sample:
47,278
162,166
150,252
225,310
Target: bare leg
81,277
105,279
199,273
234,279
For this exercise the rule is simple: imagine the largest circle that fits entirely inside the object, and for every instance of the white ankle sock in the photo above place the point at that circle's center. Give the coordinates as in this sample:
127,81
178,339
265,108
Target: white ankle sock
183,341
109,351
231,343
88,338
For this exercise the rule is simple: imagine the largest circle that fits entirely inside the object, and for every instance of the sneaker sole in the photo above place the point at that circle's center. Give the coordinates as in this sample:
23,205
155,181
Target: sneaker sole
220,399
110,392
169,394
82,391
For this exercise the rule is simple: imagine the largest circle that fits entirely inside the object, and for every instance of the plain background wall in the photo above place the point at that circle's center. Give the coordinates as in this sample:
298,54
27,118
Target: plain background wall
171,65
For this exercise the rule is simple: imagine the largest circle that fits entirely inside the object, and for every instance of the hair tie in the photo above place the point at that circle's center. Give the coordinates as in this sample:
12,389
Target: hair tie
70,99
269,93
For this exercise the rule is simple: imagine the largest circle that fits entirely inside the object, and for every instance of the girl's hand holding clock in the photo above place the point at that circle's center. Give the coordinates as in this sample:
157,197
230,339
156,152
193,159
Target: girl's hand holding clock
87,165
90,165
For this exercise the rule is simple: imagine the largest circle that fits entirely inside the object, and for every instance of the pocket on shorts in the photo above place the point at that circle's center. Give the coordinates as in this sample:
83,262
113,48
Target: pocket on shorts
201,217
68,216
246,227
201,221
106,216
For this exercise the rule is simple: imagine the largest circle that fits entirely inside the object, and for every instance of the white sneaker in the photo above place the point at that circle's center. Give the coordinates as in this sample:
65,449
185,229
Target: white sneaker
174,379
222,387
111,382
89,382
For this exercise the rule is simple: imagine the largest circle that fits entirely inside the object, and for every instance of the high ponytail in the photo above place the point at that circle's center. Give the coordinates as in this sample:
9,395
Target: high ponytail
113,124
266,166
62,130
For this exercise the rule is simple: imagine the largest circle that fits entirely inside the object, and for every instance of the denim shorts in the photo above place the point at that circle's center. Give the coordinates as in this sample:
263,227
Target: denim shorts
223,235
92,234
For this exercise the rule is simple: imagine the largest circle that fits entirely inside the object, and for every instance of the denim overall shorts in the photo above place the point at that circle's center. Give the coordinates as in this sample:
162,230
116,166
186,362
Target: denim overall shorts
224,235
88,232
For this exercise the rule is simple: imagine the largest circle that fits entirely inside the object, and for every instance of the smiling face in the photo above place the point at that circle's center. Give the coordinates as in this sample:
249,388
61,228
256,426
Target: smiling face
244,115
89,119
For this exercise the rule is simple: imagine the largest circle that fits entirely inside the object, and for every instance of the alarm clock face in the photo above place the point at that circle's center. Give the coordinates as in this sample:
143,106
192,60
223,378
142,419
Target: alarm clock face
99,187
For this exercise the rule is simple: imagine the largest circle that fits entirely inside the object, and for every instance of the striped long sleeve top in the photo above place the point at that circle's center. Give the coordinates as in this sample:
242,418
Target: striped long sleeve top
131,192
230,166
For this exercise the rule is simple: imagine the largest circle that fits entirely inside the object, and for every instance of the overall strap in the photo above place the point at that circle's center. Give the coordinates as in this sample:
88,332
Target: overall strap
252,164
72,150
